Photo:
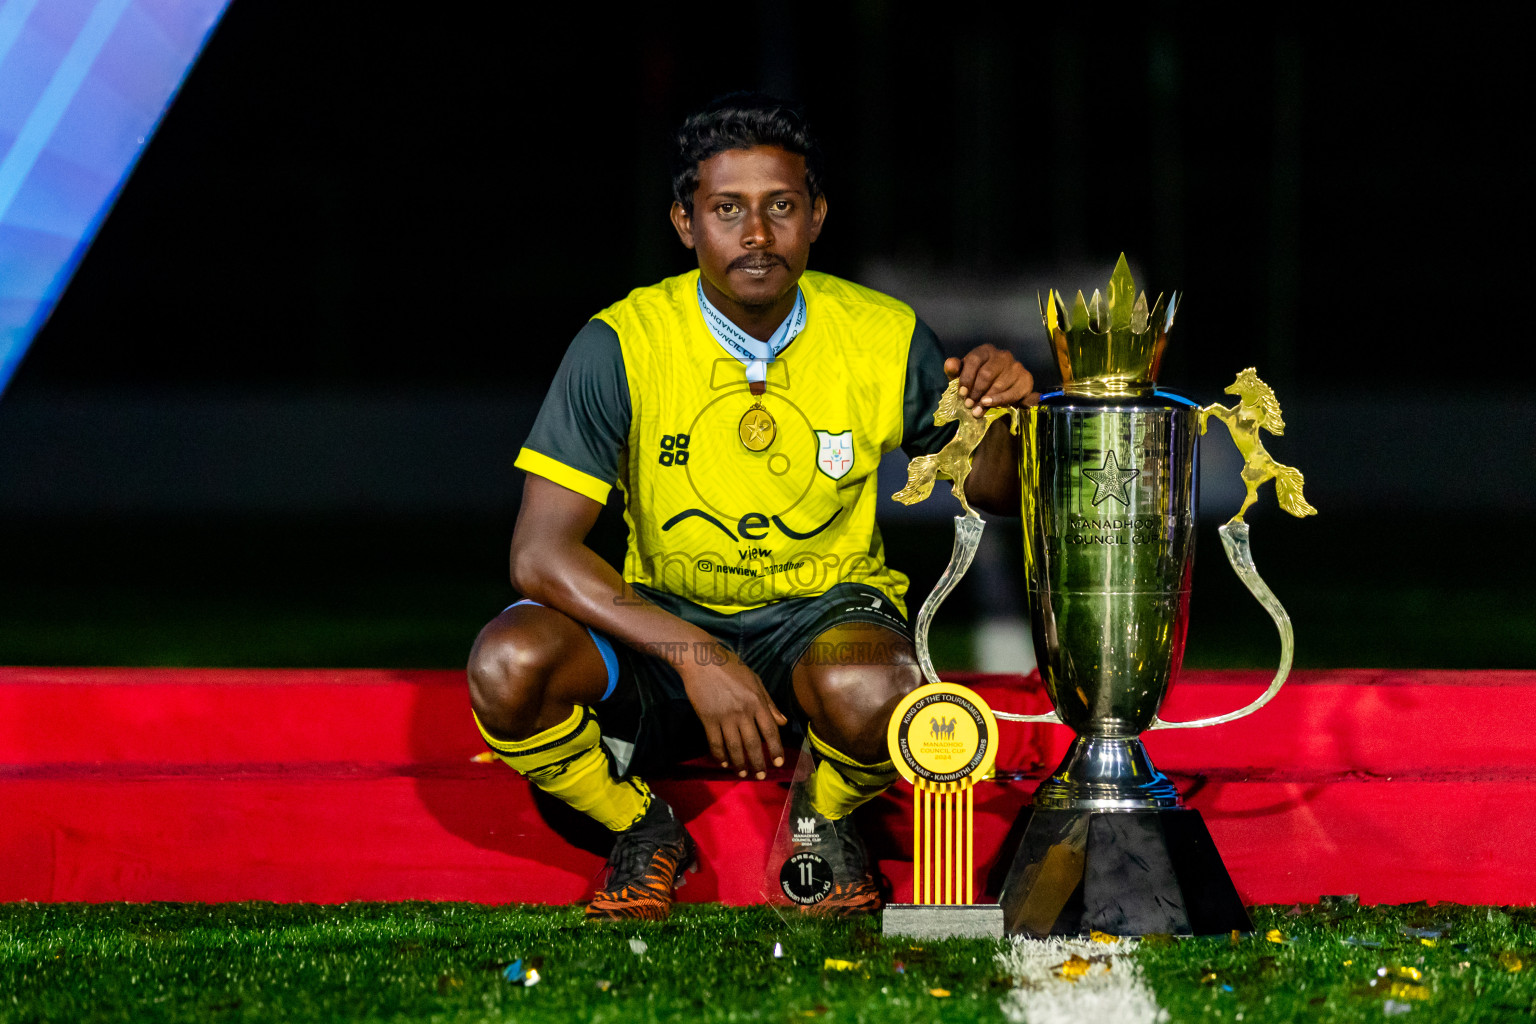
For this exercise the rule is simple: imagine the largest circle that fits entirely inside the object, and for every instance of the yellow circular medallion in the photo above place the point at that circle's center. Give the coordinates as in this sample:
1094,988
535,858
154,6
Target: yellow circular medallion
757,428
943,732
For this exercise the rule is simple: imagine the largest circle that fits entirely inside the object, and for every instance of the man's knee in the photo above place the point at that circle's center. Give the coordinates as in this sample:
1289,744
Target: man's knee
514,664
507,671
854,704
865,687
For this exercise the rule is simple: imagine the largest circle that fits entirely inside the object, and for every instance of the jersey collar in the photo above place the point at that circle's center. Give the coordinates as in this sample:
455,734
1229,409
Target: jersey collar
754,354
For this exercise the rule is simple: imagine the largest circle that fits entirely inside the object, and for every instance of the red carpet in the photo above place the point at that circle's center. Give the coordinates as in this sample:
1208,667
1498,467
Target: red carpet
156,784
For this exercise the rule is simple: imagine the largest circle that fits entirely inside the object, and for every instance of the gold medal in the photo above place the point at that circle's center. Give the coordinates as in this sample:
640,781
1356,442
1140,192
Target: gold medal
757,428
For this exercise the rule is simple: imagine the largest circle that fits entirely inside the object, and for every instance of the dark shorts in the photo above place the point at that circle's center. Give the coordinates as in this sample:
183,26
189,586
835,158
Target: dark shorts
646,718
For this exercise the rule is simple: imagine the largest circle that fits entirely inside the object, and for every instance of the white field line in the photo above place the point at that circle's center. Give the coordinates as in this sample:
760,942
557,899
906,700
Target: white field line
1069,981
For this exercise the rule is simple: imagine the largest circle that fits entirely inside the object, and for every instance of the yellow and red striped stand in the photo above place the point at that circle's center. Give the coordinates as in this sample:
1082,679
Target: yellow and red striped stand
943,740
941,832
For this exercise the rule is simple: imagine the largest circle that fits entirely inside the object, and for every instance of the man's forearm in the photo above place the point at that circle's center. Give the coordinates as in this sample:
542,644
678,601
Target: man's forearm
993,485
552,564
579,583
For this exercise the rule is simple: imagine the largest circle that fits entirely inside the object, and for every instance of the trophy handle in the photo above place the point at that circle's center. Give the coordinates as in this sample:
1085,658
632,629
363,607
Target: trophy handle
1234,538
1009,716
967,540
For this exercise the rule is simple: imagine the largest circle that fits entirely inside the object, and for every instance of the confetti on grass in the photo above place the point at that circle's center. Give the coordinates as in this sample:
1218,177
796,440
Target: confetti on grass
1108,987
1400,973
1403,990
1075,967
515,973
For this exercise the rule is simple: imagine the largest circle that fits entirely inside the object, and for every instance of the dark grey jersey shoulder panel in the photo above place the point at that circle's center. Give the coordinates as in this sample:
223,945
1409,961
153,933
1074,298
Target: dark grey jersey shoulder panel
584,421
925,383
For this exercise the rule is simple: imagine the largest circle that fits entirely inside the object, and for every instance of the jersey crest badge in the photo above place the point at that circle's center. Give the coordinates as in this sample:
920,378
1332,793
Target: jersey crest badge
834,453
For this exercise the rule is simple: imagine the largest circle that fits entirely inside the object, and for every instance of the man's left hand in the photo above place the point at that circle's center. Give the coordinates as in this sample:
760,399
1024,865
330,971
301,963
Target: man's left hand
989,378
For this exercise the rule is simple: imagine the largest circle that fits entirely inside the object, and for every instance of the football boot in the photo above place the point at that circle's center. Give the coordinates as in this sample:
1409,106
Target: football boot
854,890
644,868
848,886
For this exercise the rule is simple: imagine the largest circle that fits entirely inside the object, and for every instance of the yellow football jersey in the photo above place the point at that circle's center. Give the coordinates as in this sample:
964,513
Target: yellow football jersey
709,518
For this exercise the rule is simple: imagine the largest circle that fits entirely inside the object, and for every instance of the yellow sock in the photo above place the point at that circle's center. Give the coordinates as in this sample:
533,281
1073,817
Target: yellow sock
568,762
840,785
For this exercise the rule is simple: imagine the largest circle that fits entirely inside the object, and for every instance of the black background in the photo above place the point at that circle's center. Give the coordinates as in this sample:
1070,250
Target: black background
352,194
381,199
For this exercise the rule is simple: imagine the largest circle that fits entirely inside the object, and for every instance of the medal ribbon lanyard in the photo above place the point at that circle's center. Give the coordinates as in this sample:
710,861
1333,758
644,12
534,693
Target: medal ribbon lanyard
754,354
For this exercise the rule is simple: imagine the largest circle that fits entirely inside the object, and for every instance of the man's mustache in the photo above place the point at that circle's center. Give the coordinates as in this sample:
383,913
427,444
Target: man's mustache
757,259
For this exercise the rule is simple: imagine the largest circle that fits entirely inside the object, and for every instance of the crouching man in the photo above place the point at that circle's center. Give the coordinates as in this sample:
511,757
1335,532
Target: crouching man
742,409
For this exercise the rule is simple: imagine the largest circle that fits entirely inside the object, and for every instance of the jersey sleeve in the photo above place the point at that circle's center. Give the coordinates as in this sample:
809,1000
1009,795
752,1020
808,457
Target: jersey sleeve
583,425
926,381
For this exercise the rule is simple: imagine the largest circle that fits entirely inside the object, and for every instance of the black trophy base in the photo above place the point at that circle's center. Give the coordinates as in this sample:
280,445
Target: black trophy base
1143,872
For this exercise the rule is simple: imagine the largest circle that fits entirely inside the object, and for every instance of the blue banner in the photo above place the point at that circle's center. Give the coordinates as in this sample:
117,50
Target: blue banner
83,85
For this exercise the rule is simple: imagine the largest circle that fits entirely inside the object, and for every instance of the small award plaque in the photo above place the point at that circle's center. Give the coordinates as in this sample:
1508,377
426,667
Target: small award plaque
943,740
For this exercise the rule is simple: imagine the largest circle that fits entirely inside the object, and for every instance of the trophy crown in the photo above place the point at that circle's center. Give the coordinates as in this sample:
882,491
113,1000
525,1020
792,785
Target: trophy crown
1112,343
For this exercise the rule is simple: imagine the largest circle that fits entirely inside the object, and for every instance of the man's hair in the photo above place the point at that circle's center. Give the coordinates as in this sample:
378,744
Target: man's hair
741,120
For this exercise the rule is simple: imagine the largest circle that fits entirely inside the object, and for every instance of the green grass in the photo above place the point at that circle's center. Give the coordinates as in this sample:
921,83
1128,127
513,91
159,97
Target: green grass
1338,962
444,962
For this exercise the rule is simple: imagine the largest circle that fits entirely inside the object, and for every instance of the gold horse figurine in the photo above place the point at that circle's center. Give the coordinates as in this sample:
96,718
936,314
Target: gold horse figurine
953,461
1258,409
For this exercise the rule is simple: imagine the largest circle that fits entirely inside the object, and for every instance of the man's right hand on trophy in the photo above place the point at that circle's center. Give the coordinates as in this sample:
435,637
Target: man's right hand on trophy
991,381
990,377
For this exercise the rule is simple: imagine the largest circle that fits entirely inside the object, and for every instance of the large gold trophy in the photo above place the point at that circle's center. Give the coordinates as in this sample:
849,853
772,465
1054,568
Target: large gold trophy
1108,474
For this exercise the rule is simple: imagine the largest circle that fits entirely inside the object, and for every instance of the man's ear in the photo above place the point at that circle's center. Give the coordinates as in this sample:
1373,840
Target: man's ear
682,223
818,215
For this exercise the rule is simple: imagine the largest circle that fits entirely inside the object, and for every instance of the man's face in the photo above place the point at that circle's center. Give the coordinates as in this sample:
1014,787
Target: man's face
752,226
